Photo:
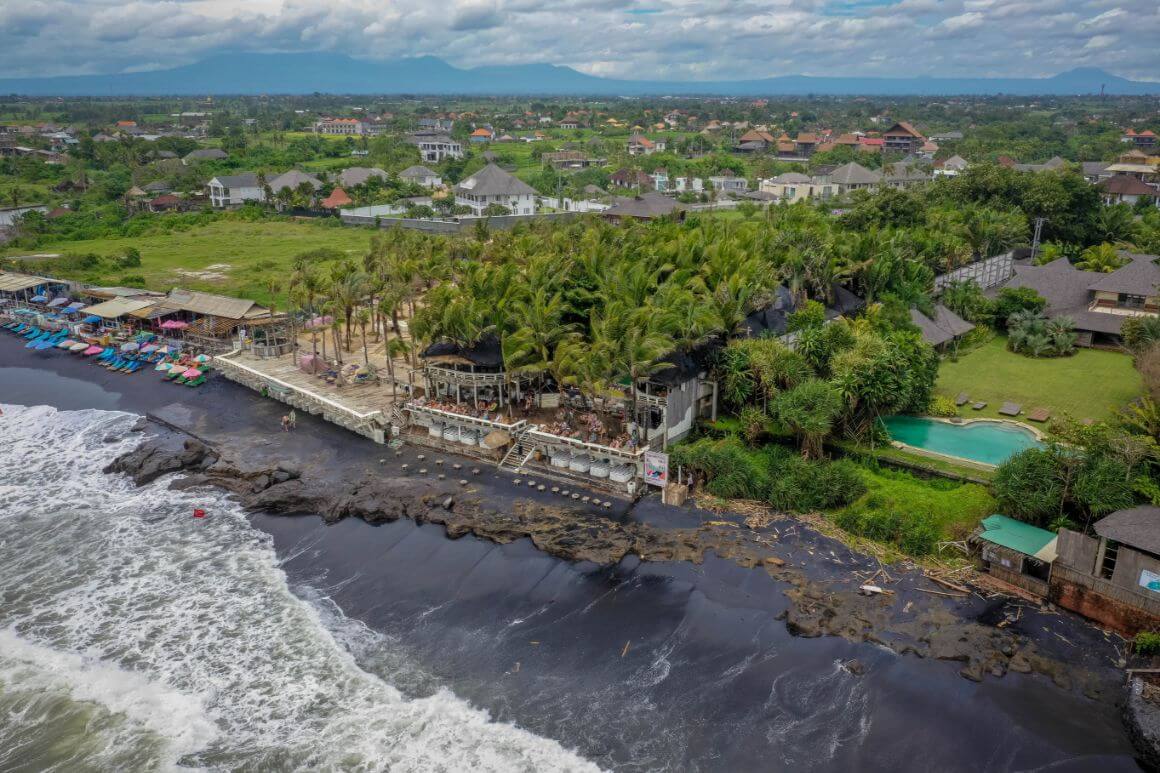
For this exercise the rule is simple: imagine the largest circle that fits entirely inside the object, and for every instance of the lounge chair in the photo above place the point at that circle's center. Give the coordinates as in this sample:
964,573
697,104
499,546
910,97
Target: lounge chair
1011,409
1038,414
962,399
979,406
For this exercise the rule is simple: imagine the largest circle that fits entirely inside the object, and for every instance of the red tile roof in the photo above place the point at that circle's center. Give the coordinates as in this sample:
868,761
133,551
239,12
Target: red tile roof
336,199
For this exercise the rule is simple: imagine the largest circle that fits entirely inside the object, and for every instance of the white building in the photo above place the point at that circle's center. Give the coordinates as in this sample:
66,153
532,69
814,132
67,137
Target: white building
351,126
727,182
436,146
688,185
233,190
421,176
492,185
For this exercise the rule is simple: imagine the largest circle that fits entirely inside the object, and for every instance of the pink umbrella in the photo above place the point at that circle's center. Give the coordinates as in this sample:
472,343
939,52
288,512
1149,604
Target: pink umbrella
174,324
92,350
191,373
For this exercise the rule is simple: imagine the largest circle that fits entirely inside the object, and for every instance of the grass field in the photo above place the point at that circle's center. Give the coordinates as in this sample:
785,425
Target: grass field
956,507
1091,384
228,257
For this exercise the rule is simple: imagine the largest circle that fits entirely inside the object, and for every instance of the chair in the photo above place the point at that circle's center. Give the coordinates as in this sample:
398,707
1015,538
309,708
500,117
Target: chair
1038,414
1011,409
962,399
979,406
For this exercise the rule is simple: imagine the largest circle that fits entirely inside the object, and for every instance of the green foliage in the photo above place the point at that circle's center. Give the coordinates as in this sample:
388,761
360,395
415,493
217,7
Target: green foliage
1140,333
914,533
1040,485
1033,334
131,258
941,405
1013,299
1101,258
1147,643
809,410
965,298
811,315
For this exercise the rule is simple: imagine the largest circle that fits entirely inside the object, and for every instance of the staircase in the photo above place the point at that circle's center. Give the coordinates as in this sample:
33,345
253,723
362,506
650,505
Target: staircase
516,457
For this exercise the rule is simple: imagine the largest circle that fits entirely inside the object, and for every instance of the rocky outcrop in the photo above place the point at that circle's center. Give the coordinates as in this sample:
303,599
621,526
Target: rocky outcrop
1142,718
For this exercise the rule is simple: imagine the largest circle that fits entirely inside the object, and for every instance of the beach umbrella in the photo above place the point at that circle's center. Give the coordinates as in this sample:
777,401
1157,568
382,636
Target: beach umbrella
201,358
178,368
496,439
174,324
79,347
66,343
92,350
191,373
318,322
39,298
148,349
58,302
92,319
132,346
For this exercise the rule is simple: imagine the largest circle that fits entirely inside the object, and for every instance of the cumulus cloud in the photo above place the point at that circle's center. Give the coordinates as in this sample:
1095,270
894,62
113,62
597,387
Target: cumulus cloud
655,39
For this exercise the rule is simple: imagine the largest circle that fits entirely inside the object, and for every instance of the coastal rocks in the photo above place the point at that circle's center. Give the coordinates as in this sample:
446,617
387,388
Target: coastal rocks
1142,718
163,456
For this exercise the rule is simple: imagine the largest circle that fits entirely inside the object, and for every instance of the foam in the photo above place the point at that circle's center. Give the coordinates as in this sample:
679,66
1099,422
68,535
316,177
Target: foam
188,629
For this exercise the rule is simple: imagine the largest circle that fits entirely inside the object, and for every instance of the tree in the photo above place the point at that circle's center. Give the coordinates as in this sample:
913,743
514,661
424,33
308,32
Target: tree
1013,299
1140,333
1103,258
809,410
363,318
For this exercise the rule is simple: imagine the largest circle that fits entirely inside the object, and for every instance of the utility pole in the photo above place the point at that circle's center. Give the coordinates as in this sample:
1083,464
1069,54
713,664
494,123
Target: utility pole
1039,221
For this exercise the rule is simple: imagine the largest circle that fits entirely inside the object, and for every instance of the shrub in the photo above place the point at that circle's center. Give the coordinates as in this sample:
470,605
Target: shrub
131,280
914,533
801,485
1147,643
941,405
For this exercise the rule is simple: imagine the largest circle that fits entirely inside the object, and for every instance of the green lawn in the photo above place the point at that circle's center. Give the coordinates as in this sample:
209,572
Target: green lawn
1091,384
229,257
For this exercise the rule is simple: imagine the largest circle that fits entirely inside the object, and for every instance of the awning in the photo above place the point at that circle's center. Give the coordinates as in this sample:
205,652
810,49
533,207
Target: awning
117,307
38,298
1020,537
13,282
58,301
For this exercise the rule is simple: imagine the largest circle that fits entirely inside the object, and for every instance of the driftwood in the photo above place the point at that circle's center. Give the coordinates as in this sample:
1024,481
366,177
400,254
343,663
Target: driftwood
948,584
942,593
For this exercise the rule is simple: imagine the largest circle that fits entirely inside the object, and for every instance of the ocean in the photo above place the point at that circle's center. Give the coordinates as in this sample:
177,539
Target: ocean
135,637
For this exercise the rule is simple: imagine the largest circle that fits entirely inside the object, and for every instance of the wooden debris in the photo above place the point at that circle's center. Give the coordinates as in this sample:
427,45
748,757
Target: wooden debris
948,584
624,651
943,593
868,590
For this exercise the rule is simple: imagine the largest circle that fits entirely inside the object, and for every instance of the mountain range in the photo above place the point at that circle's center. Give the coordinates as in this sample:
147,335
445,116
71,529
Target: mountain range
307,73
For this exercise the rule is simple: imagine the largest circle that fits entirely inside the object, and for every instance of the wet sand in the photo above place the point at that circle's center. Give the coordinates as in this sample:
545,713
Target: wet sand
710,679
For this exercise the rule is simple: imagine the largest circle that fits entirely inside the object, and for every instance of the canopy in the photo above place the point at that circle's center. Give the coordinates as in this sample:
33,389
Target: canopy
92,319
191,373
1020,537
174,324
58,301
75,305
38,298
130,347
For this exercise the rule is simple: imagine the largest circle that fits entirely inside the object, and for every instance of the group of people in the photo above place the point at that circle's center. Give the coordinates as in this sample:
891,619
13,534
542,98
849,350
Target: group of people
588,426
488,410
290,421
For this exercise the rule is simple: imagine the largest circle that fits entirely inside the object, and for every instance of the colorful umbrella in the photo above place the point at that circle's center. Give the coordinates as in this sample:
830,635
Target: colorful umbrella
78,347
130,347
92,350
178,368
148,348
92,319
318,322
66,343
58,301
191,373
201,358
38,298
174,324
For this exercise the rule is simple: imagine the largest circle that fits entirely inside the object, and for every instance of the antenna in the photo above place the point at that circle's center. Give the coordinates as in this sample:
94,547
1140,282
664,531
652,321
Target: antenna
1039,221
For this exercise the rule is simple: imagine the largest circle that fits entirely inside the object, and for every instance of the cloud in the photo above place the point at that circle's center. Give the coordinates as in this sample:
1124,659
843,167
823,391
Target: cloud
654,39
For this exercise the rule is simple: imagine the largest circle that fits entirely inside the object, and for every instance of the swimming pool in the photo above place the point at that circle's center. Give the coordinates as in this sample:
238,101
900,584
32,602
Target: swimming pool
988,442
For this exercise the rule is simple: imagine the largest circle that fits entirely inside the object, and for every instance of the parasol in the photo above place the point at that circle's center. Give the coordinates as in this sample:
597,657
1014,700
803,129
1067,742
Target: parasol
78,347
148,348
66,343
191,373
132,346
496,439
38,298
58,301
174,324
92,350
201,358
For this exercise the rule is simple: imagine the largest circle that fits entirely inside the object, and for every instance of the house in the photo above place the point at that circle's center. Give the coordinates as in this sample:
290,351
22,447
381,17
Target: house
1123,188
436,146
234,190
944,327
166,202
791,187
1098,303
204,154
359,175
660,180
630,178
340,126
755,141
773,318
1114,577
646,206
950,167
639,145
688,185
853,177
806,144
157,186
216,322
9,216
492,185
482,134
902,138
1144,139
1016,552
436,125
570,123
293,180
871,144
1095,171
1050,165
728,182
952,136
903,176
337,199
421,176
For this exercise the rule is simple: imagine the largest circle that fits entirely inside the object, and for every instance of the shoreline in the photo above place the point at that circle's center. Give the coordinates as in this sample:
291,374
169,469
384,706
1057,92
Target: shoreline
805,581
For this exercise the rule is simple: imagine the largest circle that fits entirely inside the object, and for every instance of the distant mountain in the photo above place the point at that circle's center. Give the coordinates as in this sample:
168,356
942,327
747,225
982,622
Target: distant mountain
338,74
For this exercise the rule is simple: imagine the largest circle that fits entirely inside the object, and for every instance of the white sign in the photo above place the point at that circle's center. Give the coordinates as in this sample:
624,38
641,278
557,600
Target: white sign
656,468
1150,580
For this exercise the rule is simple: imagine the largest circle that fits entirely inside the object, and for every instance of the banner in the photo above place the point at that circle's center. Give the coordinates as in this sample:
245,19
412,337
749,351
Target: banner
656,468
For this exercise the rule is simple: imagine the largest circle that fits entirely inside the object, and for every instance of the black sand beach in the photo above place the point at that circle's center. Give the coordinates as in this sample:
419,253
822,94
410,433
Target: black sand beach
653,665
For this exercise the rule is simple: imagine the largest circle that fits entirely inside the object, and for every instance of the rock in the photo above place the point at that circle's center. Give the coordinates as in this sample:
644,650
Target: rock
139,425
110,439
774,561
855,667
1019,664
280,476
448,503
972,671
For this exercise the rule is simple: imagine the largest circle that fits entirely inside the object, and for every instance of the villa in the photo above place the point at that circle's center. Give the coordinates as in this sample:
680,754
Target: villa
436,146
1097,303
492,185
234,190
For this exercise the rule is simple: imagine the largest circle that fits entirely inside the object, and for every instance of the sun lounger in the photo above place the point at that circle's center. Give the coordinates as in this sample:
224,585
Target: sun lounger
962,399
979,406
1038,414
1011,409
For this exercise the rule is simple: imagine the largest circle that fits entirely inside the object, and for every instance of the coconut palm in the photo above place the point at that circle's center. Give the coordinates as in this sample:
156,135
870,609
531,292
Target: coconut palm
1103,258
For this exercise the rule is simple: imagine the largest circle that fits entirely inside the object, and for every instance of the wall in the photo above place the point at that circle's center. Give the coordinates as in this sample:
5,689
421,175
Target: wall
463,225
1125,612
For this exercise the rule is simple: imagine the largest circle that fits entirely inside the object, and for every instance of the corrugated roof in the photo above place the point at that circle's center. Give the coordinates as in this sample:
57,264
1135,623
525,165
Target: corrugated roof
213,305
1137,527
12,282
1020,537
118,307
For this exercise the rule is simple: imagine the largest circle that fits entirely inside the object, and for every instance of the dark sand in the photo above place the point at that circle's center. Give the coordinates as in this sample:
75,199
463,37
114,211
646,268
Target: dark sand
711,679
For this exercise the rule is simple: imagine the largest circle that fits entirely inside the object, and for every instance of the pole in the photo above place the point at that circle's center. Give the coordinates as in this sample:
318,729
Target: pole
1035,240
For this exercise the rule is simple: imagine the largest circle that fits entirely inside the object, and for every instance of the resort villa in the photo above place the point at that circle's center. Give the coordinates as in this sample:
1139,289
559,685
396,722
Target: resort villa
1098,303
493,186
234,190
436,146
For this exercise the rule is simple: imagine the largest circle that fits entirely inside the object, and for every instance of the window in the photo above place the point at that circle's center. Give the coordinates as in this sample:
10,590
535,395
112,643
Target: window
1131,301
1108,567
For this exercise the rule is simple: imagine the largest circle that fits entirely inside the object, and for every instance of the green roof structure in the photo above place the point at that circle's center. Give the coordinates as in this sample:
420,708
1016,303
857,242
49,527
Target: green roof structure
1020,537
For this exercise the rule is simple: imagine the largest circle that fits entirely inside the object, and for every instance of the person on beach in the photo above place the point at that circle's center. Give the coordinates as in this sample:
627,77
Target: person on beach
293,419
285,423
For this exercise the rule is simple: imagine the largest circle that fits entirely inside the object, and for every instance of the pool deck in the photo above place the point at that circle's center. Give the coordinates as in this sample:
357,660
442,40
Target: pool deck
960,422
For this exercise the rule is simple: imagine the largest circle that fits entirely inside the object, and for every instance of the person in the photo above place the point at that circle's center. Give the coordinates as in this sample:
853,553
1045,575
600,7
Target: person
293,419
285,423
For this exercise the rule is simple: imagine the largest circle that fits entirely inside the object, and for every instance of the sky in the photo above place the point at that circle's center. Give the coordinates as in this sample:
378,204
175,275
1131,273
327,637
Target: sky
635,39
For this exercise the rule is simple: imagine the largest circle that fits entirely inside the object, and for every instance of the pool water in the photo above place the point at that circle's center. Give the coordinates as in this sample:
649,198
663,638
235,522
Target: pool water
989,442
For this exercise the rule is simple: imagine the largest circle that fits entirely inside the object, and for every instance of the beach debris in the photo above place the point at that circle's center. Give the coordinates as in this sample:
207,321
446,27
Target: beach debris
854,666
607,505
198,512
406,467
531,483
438,462
456,466
516,481
774,561
421,457
555,489
540,487
948,584
448,503
585,499
624,651
382,461
398,453
422,470
565,492
441,476
575,495
942,593
463,481
873,590
908,606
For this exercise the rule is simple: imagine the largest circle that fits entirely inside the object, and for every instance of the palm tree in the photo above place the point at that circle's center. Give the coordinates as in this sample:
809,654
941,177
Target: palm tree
363,318
538,329
1103,258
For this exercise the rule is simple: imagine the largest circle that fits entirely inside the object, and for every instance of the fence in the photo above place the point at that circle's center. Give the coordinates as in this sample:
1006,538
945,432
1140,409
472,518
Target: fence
462,225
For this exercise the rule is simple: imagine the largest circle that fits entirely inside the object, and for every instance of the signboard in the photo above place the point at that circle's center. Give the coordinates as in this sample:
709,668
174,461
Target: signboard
656,468
1150,580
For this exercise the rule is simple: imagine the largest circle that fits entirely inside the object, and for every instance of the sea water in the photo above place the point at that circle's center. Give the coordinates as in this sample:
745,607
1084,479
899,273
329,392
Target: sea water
135,637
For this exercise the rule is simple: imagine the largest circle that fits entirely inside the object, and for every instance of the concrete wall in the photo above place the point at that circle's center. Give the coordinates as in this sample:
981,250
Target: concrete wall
1123,611
463,225
1077,551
